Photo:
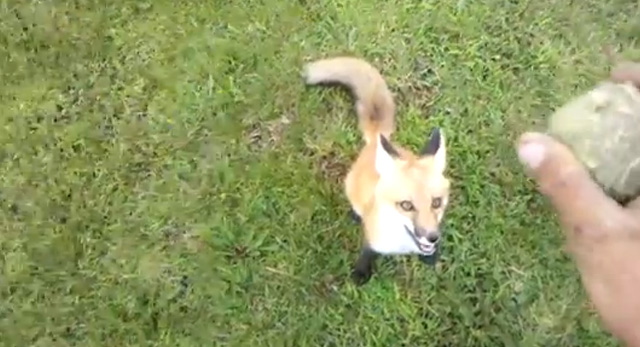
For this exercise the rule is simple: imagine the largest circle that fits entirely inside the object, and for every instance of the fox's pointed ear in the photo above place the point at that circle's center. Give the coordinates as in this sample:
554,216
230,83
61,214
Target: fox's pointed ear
436,148
385,156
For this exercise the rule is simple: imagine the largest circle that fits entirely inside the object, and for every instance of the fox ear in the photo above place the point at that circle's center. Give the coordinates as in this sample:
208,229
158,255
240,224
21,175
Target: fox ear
385,156
436,148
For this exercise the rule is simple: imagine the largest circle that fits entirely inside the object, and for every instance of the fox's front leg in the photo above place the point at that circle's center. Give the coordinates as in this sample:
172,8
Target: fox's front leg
355,216
430,259
363,268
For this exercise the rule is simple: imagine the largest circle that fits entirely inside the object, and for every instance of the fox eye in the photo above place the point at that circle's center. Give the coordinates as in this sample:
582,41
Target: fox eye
407,205
436,202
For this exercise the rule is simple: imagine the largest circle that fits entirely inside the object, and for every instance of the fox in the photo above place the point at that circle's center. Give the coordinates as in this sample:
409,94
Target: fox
398,197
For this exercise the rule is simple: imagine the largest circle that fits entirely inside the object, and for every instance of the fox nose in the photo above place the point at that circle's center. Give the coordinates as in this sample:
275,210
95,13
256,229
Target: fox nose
431,236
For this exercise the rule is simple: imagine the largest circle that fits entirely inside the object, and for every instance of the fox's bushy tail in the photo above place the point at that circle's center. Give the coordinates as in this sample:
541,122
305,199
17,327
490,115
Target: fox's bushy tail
374,102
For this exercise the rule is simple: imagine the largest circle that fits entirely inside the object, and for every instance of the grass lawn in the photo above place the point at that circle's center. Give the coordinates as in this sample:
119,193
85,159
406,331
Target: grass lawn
168,180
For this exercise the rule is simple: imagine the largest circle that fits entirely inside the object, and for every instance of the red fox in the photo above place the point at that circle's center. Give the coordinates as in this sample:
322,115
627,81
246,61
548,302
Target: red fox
398,197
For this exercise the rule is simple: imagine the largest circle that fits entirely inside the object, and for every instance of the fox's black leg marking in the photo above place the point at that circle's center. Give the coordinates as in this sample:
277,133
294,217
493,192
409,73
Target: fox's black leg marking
430,259
354,216
363,268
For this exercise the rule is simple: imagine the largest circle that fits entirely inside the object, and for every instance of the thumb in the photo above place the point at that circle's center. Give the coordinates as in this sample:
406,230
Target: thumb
626,71
565,181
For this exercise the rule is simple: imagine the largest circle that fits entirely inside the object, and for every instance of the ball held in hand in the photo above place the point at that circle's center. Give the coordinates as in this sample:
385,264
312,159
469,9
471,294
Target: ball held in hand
602,128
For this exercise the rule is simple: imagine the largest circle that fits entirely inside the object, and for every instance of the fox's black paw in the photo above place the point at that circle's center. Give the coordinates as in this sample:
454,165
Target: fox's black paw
430,260
361,276
354,216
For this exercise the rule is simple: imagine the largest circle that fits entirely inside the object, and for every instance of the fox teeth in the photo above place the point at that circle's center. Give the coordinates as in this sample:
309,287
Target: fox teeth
429,251
427,247
423,240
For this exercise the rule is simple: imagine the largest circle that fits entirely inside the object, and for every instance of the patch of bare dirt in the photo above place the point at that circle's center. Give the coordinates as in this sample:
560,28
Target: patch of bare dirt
419,87
266,135
332,166
326,286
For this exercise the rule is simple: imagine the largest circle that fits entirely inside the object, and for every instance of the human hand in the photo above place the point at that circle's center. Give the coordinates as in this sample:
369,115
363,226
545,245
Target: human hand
602,237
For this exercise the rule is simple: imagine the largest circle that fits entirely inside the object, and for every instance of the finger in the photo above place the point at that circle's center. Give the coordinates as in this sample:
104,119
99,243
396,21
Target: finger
634,207
626,72
578,200
633,211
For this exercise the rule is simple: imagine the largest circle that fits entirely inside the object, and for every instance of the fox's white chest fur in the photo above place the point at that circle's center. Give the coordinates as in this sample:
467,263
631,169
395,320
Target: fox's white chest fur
391,237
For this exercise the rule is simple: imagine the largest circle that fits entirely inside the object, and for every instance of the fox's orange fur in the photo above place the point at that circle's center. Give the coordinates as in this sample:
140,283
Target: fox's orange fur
399,196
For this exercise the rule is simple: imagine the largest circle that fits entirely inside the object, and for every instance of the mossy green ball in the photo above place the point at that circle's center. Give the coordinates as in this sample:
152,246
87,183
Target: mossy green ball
602,128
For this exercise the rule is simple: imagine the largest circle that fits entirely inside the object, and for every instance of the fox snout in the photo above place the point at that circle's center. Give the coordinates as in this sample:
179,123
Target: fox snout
432,236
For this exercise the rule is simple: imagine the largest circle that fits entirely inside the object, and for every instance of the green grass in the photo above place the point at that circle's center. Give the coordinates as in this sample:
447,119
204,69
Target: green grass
167,179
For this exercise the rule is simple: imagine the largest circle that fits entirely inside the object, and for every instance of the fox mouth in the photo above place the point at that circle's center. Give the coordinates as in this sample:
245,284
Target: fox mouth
425,247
